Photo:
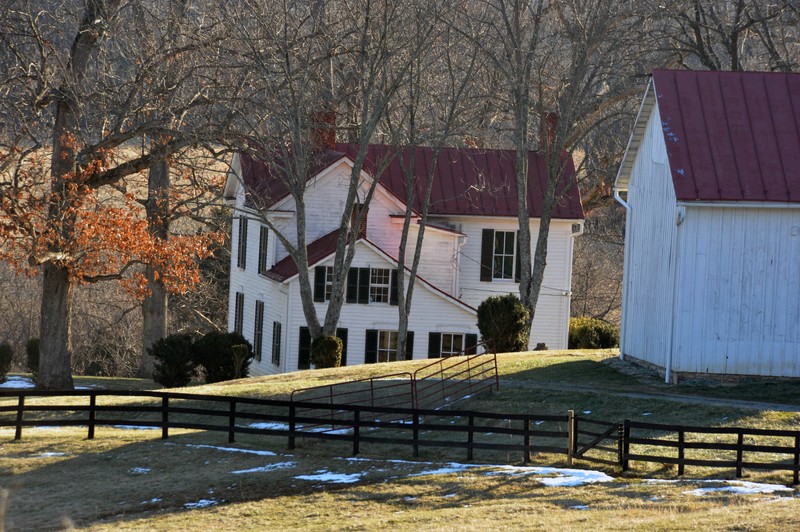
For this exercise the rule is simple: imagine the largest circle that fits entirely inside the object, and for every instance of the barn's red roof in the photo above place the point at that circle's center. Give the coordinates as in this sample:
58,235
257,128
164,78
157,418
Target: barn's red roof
467,181
731,136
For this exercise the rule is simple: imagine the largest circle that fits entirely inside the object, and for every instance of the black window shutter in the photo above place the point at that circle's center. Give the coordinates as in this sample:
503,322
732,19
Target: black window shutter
518,265
487,254
342,335
304,349
371,347
319,284
471,341
363,285
393,289
434,345
409,345
352,285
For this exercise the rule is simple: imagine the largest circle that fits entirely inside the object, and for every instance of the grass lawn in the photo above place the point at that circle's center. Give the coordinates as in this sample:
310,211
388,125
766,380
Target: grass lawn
131,479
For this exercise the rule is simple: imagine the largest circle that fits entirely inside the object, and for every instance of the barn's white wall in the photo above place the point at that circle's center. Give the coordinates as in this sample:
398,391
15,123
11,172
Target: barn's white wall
651,251
738,309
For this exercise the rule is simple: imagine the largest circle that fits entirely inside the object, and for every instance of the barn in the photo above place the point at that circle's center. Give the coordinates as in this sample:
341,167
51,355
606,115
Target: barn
711,184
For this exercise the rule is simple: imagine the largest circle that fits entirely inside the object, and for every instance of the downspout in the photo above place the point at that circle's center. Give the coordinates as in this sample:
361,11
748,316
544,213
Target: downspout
568,293
625,291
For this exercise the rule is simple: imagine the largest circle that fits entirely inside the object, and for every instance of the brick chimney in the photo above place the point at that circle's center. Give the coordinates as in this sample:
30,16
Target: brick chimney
323,129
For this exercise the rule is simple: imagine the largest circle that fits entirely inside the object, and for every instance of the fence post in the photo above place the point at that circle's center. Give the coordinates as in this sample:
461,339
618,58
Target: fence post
470,436
356,431
796,477
415,422
232,421
570,434
92,405
292,423
165,417
739,453
20,410
620,439
526,434
626,443
681,451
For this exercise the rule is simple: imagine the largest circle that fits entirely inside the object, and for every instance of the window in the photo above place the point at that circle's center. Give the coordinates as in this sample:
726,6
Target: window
499,256
241,259
323,283
364,285
258,334
503,258
387,346
238,313
379,282
450,344
276,343
381,346
263,240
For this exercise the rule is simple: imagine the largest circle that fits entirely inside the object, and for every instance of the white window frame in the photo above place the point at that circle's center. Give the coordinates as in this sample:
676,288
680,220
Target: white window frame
387,346
498,273
380,292
452,351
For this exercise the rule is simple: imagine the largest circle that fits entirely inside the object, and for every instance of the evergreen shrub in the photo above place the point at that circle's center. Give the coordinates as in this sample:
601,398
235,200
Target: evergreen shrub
32,356
214,352
591,333
174,360
6,356
326,352
503,323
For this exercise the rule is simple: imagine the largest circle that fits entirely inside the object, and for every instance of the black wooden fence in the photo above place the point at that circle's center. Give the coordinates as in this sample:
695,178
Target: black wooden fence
606,442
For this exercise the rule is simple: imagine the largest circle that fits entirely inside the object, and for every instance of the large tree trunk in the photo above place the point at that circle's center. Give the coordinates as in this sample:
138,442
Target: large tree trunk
156,304
56,330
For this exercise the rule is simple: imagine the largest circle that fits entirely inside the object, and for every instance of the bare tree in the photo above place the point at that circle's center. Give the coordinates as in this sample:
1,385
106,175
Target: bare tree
310,60
566,72
731,34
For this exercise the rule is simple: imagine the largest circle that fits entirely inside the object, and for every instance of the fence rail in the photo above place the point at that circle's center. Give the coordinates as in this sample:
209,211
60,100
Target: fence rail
655,438
353,423
571,435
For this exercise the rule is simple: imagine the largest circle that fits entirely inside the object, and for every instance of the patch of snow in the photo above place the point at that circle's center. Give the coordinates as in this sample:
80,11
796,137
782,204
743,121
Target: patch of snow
17,382
660,481
139,470
409,498
740,487
266,468
449,495
231,449
51,454
579,507
563,477
135,427
539,422
647,414
269,425
152,501
587,412
202,503
452,467
334,478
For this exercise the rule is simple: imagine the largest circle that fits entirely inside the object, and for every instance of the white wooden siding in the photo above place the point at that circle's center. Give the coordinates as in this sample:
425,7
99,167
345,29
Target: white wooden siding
650,252
738,306
429,313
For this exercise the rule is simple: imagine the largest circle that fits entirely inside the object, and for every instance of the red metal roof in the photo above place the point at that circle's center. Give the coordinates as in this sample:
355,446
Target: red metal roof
731,136
317,250
467,181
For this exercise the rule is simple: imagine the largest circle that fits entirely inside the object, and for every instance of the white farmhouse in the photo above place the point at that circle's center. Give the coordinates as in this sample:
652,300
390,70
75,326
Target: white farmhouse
469,253
712,244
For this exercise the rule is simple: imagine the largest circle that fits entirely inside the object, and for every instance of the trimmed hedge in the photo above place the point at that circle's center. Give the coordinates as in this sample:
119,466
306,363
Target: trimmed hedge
591,333
32,356
215,353
6,356
326,352
503,323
